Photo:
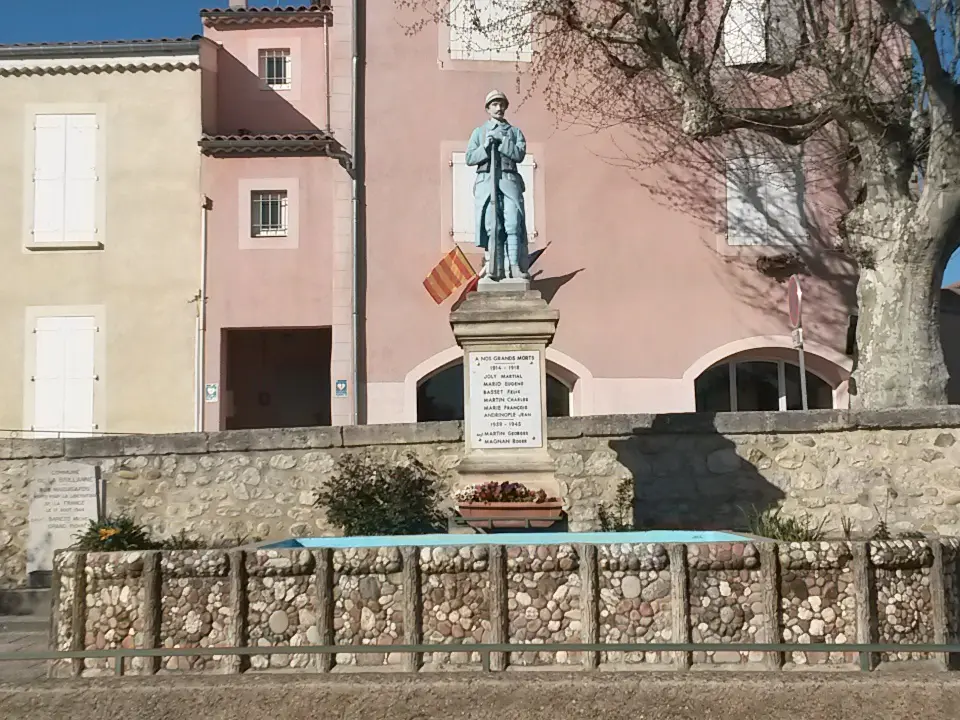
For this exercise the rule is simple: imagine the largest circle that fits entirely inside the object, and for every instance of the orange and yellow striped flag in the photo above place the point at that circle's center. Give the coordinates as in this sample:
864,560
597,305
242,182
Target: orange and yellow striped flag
449,274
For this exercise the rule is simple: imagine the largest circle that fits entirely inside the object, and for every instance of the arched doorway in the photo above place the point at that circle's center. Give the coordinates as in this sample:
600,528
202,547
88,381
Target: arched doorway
440,396
747,384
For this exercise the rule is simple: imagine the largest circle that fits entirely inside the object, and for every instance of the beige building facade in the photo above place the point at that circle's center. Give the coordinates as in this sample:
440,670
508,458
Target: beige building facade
100,237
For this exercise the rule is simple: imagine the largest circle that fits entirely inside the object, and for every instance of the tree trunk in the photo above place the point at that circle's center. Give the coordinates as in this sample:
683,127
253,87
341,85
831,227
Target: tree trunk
899,359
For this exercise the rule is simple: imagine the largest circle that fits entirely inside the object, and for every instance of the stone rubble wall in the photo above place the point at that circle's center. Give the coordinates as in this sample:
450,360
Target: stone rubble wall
194,605
818,599
455,595
689,471
896,591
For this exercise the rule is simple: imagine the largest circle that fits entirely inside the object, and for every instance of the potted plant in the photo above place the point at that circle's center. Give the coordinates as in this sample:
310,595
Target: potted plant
507,505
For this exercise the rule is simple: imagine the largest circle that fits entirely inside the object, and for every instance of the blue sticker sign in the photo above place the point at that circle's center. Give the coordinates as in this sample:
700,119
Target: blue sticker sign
341,388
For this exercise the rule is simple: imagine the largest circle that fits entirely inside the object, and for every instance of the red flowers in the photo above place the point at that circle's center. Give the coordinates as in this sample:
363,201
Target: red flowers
503,492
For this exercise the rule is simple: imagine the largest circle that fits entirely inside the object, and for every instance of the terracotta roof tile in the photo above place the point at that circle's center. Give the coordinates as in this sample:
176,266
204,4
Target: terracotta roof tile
316,14
270,137
310,143
97,43
320,7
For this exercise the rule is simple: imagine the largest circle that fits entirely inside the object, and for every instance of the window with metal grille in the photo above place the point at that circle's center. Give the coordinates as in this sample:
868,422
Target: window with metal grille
269,213
276,68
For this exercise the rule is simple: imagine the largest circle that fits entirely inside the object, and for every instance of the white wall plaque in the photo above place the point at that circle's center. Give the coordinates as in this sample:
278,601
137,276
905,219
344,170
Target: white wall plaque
506,409
63,499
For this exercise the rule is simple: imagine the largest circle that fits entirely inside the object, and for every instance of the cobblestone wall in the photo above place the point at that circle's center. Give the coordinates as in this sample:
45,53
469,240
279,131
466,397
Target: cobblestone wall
455,595
817,598
194,606
692,471
898,591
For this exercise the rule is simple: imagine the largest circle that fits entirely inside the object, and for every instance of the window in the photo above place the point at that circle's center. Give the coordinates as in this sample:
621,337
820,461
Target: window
759,385
65,179
463,219
276,69
762,32
269,213
765,201
64,376
490,30
744,33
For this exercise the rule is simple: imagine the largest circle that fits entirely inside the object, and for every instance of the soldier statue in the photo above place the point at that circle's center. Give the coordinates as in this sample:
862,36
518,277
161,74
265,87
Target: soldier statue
497,148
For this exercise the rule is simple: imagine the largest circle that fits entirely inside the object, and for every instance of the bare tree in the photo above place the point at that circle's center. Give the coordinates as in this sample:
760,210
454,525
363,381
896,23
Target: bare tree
878,78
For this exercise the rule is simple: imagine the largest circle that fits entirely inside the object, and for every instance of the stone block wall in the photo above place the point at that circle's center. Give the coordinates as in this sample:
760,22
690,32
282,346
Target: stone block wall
897,591
689,471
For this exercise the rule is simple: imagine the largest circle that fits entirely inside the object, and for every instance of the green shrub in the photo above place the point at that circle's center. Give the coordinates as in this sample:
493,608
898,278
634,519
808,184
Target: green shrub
370,495
771,524
182,541
618,516
236,539
113,533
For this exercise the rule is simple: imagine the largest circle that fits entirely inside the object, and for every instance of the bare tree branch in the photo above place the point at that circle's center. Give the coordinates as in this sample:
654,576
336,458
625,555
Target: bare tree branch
905,14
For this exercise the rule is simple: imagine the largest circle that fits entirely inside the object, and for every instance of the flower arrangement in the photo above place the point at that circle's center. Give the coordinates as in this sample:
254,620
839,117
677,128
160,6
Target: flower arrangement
507,505
502,492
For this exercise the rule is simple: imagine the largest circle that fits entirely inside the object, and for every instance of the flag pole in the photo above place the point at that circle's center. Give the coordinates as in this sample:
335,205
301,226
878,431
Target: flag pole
495,268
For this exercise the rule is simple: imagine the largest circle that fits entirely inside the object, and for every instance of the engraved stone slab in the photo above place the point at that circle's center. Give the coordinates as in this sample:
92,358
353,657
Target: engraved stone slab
63,500
505,400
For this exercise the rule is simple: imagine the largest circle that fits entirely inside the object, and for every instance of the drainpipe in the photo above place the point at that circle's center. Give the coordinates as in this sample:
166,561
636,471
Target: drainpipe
202,315
326,65
358,239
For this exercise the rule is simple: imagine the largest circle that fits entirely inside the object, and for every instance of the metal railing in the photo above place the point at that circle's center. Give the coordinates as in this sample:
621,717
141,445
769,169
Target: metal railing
118,655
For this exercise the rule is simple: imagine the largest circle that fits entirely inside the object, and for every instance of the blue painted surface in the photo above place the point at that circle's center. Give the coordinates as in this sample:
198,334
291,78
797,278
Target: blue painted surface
646,536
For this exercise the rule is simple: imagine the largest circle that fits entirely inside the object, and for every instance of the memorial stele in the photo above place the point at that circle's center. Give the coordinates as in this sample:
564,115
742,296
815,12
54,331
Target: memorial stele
504,328
63,500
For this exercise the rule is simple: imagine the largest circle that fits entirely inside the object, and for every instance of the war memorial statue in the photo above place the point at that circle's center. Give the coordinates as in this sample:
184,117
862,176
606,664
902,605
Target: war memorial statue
497,148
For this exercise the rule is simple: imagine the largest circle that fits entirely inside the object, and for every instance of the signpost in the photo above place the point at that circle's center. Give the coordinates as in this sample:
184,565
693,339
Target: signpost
794,311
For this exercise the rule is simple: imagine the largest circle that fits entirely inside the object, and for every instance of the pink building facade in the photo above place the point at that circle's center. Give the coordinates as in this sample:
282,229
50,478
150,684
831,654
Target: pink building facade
662,307
315,252
278,217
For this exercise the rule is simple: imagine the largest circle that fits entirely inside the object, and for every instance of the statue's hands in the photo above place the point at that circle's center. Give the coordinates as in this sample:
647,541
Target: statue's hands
492,140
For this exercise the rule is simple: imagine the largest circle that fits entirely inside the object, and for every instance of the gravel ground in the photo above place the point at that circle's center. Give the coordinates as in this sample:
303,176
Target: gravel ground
523,695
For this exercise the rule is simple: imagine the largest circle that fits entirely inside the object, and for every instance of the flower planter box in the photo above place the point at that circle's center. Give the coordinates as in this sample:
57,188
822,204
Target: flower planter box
511,514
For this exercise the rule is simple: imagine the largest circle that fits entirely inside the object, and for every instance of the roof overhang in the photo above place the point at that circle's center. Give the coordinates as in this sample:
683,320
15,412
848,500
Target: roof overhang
317,144
318,14
101,50
118,56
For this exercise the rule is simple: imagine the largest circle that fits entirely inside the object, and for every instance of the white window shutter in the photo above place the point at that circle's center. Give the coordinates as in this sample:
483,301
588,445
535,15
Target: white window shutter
81,179
64,376
463,221
79,374
49,166
466,41
502,34
783,191
746,223
48,377
510,31
528,171
744,33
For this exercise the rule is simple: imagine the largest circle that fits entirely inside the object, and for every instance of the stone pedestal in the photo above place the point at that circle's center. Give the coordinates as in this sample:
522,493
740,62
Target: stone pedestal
504,332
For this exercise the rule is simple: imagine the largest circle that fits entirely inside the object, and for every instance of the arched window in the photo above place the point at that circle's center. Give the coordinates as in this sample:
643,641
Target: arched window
759,385
440,396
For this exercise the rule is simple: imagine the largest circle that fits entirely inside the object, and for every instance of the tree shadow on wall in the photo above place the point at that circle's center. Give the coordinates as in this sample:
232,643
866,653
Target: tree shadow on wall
691,477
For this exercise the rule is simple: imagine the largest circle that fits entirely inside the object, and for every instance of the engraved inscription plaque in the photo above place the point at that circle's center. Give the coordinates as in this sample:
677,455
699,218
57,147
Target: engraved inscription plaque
505,402
63,499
